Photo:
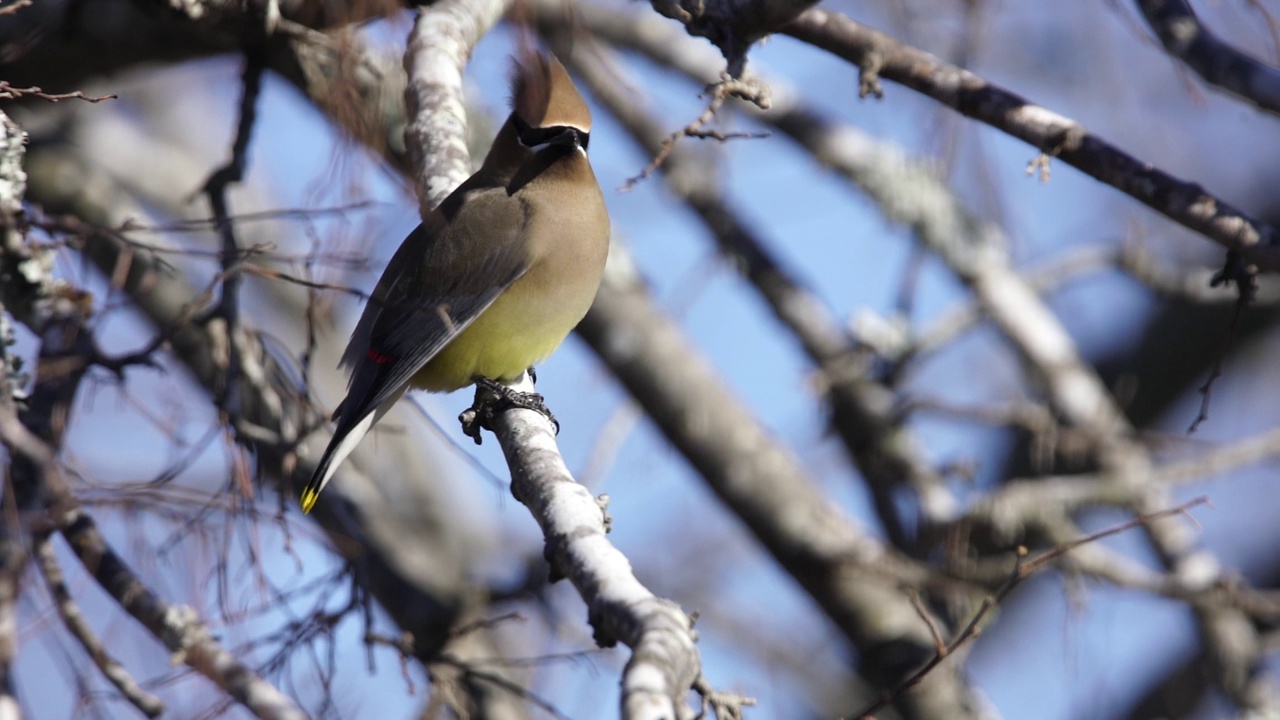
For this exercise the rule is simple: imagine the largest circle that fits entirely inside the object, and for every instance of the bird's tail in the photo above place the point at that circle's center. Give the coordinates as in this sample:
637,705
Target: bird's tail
349,433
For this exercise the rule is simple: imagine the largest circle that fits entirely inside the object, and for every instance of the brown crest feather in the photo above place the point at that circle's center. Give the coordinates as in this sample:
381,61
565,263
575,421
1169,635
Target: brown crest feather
543,95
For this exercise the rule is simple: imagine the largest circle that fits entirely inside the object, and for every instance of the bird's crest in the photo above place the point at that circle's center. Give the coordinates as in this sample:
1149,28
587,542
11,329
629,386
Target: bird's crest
543,95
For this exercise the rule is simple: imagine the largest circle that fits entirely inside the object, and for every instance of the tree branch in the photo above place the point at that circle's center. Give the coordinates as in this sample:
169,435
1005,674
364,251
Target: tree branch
855,579
38,483
1186,203
75,622
369,521
975,252
732,25
664,660
886,454
1183,35
435,134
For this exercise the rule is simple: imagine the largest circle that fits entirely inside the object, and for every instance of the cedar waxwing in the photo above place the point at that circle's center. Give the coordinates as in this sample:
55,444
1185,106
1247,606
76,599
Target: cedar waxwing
495,277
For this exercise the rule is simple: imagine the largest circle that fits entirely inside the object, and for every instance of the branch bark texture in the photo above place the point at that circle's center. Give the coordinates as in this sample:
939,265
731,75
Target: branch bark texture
664,661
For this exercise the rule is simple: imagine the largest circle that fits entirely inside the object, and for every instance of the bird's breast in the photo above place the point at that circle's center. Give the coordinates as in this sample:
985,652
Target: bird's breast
532,317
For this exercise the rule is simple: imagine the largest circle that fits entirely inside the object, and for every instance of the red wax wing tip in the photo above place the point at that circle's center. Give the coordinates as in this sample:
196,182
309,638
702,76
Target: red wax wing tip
378,357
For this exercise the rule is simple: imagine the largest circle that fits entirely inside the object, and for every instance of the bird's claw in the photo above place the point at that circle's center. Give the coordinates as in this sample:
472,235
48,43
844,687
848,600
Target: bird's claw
492,399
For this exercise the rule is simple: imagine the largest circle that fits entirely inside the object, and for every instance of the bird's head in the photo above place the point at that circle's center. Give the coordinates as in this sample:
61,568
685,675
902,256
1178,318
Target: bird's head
545,105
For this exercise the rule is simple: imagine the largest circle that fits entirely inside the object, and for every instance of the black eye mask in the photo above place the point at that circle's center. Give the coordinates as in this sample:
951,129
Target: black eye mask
532,137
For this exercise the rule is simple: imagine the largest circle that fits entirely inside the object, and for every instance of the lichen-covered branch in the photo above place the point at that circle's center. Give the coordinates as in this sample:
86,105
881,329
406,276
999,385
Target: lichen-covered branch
18,290
435,135
664,660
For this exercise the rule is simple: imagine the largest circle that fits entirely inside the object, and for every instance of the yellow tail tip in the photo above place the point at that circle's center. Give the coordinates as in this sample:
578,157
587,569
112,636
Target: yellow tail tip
309,498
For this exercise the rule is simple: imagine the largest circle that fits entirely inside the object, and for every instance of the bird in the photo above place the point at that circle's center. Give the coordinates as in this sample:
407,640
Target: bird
494,278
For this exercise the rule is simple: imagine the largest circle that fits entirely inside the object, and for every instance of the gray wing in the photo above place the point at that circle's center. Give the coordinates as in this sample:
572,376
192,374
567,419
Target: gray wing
438,282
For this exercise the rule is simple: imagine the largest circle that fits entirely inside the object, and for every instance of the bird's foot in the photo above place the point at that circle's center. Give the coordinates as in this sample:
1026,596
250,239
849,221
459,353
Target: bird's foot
492,399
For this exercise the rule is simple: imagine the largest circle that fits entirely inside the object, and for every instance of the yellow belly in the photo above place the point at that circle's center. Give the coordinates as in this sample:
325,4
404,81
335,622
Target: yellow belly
520,329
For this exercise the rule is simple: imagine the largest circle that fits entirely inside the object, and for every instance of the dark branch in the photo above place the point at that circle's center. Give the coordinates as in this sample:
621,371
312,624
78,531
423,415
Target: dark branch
1183,35
1052,134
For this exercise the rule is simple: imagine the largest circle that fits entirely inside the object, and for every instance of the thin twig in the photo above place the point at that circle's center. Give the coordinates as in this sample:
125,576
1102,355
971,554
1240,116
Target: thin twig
1022,569
719,92
9,92
215,188
1245,279
258,270
41,477
723,705
502,683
